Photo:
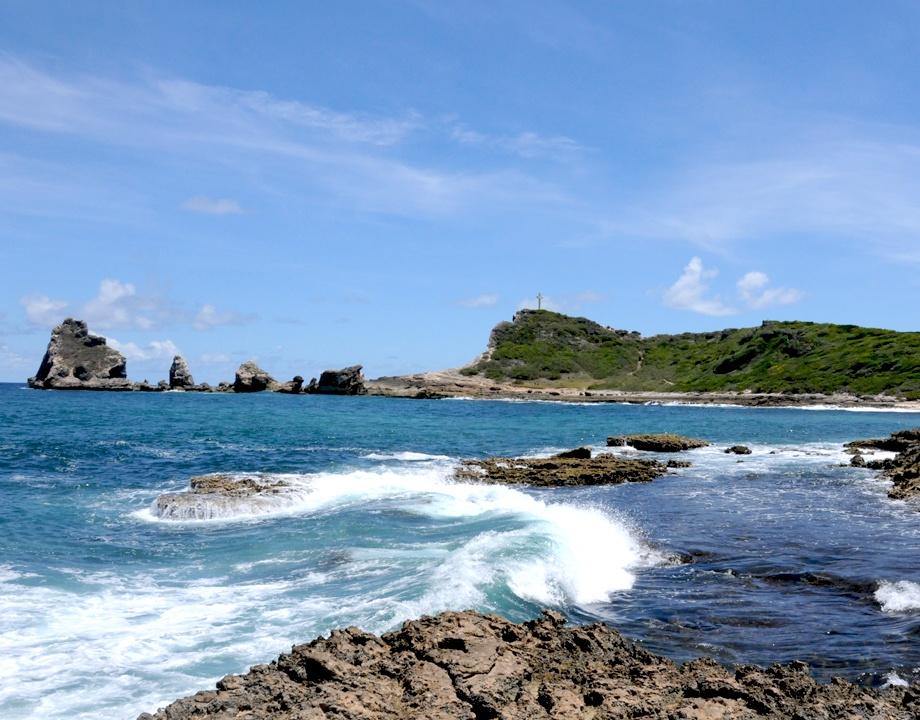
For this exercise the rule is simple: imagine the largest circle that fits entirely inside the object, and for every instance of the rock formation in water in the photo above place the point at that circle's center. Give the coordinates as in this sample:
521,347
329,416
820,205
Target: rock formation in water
180,377
566,469
463,665
222,495
903,469
347,381
78,360
251,378
657,442
293,387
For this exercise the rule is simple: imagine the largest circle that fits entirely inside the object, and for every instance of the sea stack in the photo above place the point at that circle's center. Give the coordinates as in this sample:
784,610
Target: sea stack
251,378
347,381
79,360
180,377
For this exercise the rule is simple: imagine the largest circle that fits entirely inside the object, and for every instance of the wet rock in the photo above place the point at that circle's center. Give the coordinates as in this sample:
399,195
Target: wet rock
221,495
738,450
858,460
581,453
78,360
603,469
180,377
657,442
347,381
251,378
903,469
467,665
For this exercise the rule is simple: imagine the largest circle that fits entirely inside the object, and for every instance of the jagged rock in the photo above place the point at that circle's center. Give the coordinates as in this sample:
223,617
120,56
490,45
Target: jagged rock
78,360
251,378
903,469
180,377
464,665
347,381
294,387
657,442
738,450
604,469
146,387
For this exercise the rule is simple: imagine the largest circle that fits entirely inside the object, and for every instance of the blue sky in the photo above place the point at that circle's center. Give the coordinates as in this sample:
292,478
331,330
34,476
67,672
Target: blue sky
314,185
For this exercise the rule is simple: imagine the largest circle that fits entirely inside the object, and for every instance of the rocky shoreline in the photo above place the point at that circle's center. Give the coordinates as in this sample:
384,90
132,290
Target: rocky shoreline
469,666
454,384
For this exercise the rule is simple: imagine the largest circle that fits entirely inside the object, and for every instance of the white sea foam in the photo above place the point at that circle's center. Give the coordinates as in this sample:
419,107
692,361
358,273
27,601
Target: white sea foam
901,596
406,456
892,679
134,641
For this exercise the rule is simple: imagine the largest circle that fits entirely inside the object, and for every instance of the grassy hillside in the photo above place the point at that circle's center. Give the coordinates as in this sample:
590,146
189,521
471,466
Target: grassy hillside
543,347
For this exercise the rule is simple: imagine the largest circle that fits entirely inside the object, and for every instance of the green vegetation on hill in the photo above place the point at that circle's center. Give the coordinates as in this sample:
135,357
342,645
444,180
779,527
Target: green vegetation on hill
544,347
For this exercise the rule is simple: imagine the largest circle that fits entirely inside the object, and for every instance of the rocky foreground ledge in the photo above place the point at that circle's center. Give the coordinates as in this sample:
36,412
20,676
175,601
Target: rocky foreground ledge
472,666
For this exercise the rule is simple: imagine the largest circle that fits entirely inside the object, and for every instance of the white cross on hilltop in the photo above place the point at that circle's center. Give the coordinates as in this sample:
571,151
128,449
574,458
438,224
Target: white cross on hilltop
539,301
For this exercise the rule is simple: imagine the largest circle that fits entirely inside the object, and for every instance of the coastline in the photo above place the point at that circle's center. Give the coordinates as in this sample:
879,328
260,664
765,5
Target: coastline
453,384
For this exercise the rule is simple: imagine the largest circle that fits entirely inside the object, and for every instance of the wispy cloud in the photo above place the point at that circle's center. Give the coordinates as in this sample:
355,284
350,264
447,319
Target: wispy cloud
351,157
692,292
204,204
858,185
525,145
479,301
208,318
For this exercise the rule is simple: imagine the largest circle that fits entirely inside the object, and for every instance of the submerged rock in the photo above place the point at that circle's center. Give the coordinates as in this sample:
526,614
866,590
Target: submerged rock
251,378
738,450
78,360
657,442
180,377
464,665
559,471
220,495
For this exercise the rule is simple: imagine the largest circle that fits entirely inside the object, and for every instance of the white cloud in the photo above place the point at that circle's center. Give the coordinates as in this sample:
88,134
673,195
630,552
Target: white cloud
479,301
42,310
118,306
754,291
691,292
12,360
155,350
208,318
204,204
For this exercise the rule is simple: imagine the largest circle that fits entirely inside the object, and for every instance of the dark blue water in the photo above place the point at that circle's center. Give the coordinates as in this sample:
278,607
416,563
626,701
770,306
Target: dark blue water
108,610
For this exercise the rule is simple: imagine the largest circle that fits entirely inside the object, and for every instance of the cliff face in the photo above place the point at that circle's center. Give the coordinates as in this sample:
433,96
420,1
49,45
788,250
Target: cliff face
78,360
471,666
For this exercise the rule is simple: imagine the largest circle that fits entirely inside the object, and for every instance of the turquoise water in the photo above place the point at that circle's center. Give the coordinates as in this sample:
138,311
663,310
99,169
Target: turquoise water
109,610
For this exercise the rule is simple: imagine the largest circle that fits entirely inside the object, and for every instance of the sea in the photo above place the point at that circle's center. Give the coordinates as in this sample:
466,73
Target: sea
109,608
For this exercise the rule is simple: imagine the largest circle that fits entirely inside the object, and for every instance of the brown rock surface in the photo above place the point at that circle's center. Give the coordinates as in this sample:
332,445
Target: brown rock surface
603,469
471,666
657,442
